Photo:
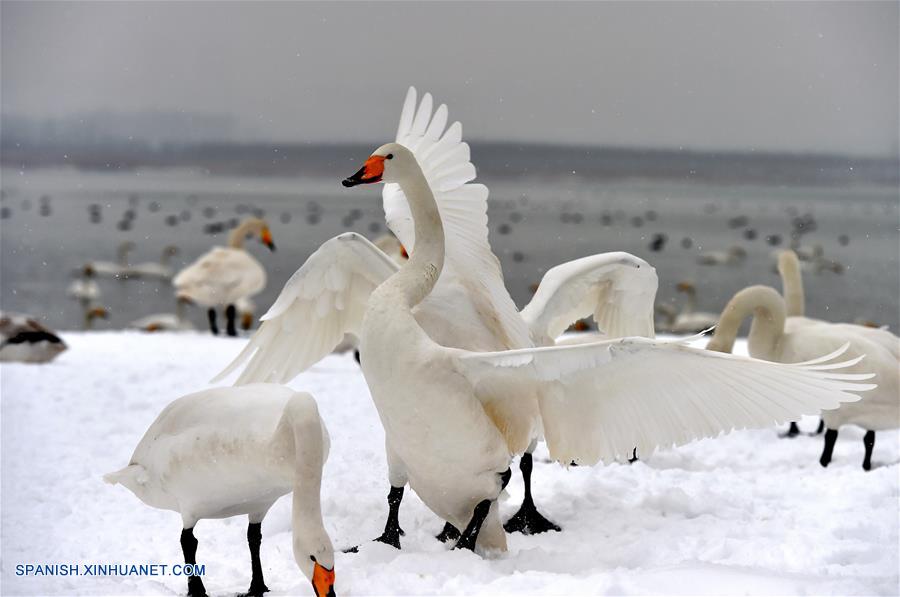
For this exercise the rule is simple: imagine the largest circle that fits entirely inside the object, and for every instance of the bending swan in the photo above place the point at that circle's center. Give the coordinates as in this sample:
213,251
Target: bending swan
231,451
436,403
776,337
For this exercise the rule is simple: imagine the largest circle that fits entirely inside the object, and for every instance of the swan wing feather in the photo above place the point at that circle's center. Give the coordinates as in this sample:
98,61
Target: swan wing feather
322,301
618,289
469,261
602,400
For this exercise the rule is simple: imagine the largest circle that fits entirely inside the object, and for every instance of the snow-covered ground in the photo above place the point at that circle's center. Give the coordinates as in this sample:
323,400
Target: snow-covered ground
746,513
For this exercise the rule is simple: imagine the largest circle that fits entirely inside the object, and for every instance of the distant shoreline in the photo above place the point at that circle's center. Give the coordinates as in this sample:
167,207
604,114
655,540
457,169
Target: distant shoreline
513,160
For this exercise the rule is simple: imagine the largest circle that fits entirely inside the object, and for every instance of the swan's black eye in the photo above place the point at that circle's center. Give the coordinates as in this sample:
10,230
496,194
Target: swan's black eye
313,558
389,156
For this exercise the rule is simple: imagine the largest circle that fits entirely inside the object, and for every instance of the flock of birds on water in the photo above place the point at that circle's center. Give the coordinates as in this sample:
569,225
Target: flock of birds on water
462,380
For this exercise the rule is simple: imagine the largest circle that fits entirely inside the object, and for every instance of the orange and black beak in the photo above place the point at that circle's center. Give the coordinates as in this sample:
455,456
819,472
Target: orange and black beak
266,238
371,172
323,581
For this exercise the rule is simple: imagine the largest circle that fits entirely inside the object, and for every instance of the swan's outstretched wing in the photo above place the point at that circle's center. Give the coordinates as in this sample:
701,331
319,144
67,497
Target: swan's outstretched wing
602,400
322,301
617,288
469,262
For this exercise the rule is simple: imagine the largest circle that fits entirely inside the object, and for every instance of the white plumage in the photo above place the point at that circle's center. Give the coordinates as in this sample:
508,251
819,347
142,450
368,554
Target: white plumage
439,405
231,451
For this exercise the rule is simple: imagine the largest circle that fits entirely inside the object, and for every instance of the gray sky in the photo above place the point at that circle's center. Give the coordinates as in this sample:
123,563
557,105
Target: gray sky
817,76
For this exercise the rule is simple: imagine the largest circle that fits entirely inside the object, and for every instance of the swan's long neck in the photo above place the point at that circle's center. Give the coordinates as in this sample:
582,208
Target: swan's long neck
767,308
690,302
237,236
792,284
309,535
419,274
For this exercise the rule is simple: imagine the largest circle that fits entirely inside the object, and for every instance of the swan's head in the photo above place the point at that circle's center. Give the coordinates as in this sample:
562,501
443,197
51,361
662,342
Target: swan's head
389,163
315,557
258,226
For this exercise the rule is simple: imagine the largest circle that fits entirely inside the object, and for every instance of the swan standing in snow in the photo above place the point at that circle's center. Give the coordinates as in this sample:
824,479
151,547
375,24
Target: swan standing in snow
439,405
224,275
171,322
23,339
469,307
233,451
161,269
776,337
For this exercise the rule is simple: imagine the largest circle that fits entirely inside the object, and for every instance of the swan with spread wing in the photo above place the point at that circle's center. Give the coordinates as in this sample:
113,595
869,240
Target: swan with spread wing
469,308
596,401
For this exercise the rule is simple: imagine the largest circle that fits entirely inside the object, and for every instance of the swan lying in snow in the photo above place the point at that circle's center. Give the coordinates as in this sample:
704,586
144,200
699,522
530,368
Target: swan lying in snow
23,339
776,337
224,275
159,322
469,308
444,410
232,451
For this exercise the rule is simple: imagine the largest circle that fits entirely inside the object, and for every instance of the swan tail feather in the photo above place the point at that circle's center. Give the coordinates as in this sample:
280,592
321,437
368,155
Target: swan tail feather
133,474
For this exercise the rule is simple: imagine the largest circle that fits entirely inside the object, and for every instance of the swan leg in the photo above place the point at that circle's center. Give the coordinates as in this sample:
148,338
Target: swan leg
820,428
793,430
189,548
634,457
869,442
830,438
254,540
392,530
449,533
231,320
470,536
213,327
528,520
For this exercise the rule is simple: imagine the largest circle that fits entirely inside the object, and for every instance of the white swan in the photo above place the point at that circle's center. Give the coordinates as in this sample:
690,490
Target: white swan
687,321
776,337
447,412
224,275
84,288
114,269
470,307
23,339
150,269
735,255
231,451
170,322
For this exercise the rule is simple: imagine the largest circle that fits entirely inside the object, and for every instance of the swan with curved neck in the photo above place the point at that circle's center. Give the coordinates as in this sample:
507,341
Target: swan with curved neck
792,284
435,402
776,337
224,275
234,451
